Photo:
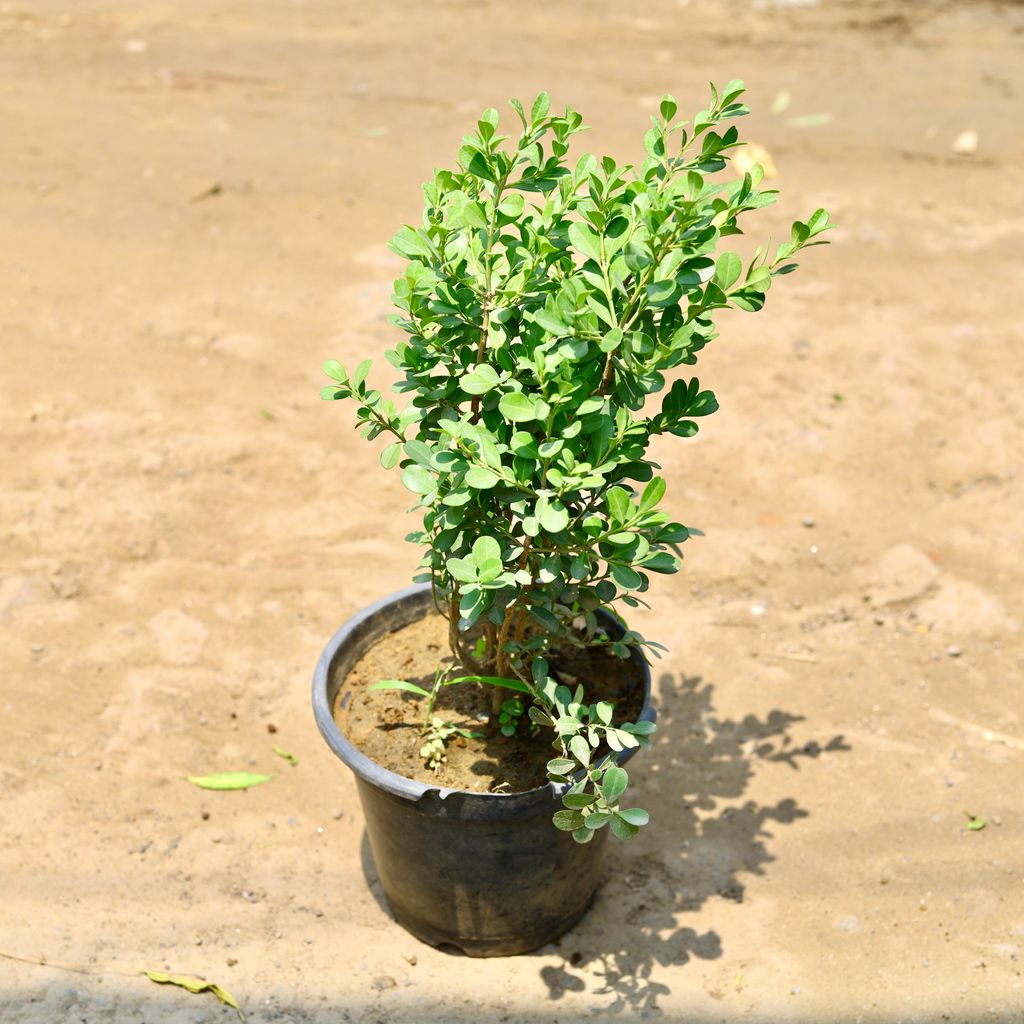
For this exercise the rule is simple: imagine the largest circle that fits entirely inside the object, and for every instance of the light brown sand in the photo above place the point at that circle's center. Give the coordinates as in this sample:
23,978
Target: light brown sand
194,203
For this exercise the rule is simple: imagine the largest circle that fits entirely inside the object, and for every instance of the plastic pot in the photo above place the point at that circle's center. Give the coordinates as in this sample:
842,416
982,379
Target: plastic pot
484,872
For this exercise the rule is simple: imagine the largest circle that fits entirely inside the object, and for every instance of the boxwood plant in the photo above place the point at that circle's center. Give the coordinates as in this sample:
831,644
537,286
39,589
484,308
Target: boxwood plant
548,307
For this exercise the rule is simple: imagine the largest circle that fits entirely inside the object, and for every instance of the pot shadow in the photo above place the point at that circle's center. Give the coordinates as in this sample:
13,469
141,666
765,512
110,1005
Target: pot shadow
695,850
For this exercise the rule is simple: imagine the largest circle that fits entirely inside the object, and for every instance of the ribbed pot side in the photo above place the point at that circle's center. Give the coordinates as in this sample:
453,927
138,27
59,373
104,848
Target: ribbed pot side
485,872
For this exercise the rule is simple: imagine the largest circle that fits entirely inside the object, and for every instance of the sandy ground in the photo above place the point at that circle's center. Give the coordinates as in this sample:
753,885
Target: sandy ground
194,204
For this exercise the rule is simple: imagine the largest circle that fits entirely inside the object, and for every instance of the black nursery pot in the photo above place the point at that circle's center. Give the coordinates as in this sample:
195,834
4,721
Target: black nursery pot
484,872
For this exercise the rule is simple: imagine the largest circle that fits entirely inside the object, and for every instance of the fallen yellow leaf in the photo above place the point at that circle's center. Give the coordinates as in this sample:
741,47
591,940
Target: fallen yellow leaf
196,985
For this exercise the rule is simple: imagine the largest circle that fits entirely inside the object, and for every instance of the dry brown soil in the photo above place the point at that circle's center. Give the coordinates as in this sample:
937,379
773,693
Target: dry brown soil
387,725
194,203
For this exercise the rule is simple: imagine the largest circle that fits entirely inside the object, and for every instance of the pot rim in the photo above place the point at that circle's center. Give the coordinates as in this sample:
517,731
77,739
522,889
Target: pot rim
399,785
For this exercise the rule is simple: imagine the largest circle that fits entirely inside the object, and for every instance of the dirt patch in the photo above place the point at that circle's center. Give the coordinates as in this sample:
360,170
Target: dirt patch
385,724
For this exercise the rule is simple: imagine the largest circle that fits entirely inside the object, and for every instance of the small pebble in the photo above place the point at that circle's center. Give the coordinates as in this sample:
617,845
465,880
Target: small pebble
966,143
879,620
953,651
338,814
808,522
231,961
271,728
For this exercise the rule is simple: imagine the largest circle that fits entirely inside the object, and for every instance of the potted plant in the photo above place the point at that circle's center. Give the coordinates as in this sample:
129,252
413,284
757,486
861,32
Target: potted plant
543,306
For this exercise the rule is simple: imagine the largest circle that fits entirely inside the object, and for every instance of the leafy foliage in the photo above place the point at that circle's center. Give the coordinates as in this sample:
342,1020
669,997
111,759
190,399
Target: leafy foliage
543,306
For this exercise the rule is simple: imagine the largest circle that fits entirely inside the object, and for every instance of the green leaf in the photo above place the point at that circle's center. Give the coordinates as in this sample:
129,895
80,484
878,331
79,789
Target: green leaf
623,829
336,371
519,408
541,106
228,780
619,505
390,456
614,783
486,549
583,835
400,684
419,480
462,569
360,372
577,801
668,107
625,577
196,986
653,493
552,515
480,479
512,205
480,380
567,820
290,758
418,452
580,749
506,684
635,816
639,728
409,244
560,766
727,270
611,341
585,240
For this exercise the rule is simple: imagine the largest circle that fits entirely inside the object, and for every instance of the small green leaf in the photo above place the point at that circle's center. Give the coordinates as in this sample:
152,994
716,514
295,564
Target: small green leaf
668,107
567,821
635,816
419,480
336,371
619,505
480,479
585,240
228,780
614,783
727,270
552,515
578,800
400,684
480,380
391,455
653,493
625,577
580,749
560,766
290,758
541,106
622,829
516,406
974,824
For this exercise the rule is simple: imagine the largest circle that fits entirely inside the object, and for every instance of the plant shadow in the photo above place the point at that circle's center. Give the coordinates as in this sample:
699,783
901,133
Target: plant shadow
695,850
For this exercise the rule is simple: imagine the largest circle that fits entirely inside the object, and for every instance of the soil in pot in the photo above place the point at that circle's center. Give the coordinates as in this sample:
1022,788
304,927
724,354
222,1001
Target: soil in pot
385,724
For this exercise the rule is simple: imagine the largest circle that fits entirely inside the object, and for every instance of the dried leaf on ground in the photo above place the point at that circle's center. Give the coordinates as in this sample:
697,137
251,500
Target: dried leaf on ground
196,985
